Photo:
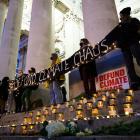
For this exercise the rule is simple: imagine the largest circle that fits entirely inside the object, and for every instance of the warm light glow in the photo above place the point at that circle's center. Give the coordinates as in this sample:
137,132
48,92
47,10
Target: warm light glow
112,110
79,106
54,110
104,97
112,95
131,92
128,98
60,116
112,101
100,104
89,105
95,112
79,114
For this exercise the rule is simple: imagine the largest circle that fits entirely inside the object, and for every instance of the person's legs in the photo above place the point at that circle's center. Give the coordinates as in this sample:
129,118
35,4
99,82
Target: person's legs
29,92
133,78
86,83
64,93
92,84
135,50
52,94
57,92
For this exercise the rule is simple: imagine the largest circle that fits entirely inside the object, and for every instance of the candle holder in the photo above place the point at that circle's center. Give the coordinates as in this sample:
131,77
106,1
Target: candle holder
38,113
112,101
112,95
43,118
100,104
46,112
81,101
60,116
79,106
13,129
71,108
89,105
29,120
93,99
25,120
95,112
128,99
24,129
112,110
54,110
58,106
104,98
128,110
67,104
131,92
79,114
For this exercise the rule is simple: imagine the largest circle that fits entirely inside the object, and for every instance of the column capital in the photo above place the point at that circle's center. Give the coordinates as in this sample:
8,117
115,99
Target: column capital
5,1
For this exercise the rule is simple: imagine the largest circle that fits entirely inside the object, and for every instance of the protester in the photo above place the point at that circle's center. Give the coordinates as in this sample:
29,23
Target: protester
4,87
26,102
129,43
88,72
55,82
19,91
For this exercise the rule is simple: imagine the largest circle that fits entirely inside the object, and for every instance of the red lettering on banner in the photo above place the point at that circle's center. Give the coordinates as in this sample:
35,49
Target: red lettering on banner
112,80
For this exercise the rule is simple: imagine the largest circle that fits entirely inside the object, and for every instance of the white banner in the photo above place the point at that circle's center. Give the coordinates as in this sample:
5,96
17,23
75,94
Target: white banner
113,79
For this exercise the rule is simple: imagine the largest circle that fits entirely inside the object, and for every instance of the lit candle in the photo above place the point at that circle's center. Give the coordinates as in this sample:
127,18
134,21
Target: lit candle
79,106
71,108
54,110
131,92
104,97
112,110
100,104
79,114
128,98
95,112
128,110
89,105
60,116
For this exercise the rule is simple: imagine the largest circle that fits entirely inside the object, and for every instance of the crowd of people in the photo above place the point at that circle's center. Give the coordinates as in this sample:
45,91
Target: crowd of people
18,99
128,41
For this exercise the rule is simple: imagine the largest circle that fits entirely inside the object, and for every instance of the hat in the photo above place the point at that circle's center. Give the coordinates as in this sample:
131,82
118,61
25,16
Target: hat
126,11
53,56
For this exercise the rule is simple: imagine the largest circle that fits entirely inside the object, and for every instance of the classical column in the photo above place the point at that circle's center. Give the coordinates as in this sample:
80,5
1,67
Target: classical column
39,45
100,17
10,39
3,11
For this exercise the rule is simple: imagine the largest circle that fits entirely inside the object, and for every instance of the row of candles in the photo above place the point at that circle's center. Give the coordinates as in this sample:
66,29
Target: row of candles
99,106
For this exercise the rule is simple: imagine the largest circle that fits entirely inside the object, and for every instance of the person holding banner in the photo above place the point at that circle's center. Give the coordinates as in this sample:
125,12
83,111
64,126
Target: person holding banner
129,43
26,102
55,83
88,72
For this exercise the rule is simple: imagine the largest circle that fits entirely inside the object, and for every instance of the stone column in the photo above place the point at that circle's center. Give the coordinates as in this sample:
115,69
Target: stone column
3,12
100,17
10,39
39,48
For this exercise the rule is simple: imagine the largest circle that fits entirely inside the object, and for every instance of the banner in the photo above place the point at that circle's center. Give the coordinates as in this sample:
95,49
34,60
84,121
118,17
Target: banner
113,79
82,56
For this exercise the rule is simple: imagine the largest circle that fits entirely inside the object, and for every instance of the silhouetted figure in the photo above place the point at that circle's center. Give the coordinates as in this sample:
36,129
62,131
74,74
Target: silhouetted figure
4,87
88,72
129,43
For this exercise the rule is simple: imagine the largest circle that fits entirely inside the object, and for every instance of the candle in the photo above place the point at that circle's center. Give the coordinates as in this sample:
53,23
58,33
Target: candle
79,114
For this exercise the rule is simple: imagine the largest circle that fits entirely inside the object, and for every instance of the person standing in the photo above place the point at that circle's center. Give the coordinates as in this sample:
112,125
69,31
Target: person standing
56,96
129,44
88,72
4,91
